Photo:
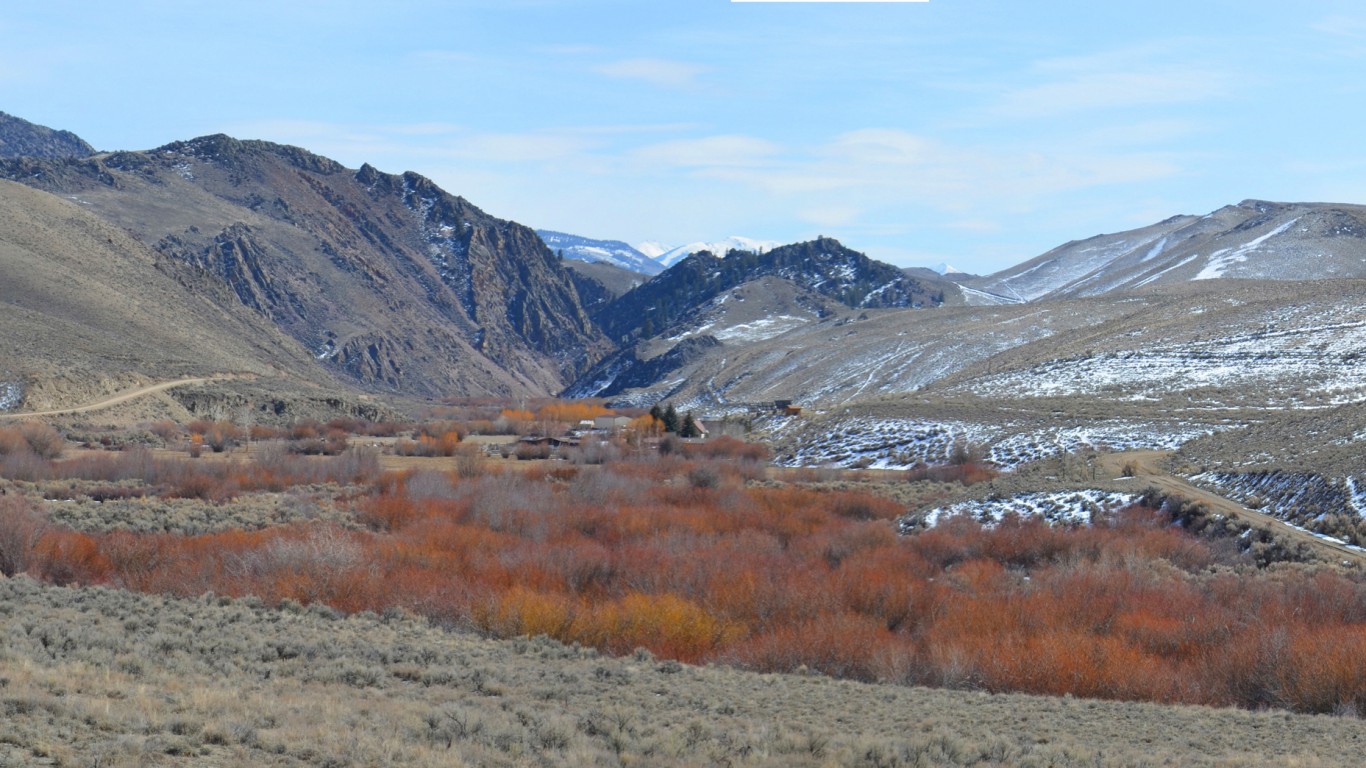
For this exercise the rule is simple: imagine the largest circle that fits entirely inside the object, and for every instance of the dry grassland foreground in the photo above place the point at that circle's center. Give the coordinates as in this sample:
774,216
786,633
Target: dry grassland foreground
91,676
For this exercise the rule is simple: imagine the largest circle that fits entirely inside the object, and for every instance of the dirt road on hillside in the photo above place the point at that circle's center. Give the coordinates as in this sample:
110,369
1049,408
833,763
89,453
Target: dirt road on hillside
121,397
1150,467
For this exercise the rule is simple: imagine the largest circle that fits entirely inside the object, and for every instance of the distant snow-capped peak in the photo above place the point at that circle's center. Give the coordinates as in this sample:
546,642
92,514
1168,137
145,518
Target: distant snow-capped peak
944,268
717,248
653,249
588,249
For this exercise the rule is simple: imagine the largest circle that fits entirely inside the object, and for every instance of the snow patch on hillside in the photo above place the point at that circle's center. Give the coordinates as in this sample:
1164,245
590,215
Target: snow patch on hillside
1068,269
763,328
1219,263
10,395
1356,497
1058,507
1023,447
903,443
974,297
1160,273
1156,250
1306,500
1317,359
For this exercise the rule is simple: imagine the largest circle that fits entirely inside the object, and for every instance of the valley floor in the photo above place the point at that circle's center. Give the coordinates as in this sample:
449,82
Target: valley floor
95,676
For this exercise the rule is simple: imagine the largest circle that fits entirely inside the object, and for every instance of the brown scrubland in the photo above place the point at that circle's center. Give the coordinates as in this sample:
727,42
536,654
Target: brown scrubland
664,554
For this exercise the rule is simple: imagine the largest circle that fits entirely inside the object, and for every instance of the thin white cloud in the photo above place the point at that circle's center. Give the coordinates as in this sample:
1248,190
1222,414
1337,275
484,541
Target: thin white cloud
572,49
665,73
709,152
1346,33
1157,74
520,147
975,225
1144,132
1105,90
443,57
831,216
1353,27
874,145
629,128
424,129
878,168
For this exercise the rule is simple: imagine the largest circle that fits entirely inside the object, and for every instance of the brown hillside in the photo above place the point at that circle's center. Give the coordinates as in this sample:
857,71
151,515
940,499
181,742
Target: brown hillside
386,279
86,311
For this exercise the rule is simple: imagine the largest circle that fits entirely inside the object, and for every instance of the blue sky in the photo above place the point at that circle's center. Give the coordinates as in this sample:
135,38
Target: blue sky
977,132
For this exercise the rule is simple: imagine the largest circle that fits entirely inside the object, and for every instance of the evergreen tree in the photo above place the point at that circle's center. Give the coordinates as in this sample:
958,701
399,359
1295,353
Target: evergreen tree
690,428
657,413
670,419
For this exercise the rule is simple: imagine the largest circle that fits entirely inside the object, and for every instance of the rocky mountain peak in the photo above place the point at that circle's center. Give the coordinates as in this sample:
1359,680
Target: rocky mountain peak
20,138
823,266
387,278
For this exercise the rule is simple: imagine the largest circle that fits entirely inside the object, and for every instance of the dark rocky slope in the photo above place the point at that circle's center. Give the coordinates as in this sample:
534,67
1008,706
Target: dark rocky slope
386,278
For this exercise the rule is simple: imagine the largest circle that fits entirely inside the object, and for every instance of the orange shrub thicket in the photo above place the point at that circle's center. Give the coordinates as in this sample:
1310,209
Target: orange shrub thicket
571,411
781,579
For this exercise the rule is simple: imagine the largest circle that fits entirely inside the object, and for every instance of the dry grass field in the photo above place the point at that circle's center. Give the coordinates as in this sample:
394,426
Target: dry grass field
91,676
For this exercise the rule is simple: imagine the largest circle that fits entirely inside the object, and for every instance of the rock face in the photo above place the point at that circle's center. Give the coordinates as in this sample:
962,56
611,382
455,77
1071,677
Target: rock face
386,278
823,266
88,310
627,370
681,330
20,138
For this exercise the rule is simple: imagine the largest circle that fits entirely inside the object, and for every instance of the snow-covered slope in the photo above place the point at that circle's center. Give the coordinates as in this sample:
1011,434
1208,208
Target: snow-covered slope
1072,507
1255,240
1210,345
717,248
653,249
613,252
1265,345
888,437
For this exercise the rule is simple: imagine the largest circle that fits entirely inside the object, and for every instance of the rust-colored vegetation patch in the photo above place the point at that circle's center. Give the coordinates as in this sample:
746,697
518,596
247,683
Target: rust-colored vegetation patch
681,554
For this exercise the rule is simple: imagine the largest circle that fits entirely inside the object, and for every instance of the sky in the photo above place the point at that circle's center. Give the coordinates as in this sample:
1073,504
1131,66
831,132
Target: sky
979,133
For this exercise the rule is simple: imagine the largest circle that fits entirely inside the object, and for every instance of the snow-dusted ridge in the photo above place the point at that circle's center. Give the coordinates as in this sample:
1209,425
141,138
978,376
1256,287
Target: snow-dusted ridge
1252,240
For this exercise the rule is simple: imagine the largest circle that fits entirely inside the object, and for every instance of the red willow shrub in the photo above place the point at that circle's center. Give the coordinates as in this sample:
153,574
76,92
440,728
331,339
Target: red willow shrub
270,469
632,554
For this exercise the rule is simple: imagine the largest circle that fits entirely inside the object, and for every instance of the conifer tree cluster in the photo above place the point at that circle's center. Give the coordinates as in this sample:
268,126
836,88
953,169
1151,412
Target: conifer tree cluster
668,416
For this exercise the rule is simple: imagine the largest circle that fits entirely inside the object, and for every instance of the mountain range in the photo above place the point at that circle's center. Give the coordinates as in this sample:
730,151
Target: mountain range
218,254
648,258
386,279
672,256
613,252
1253,240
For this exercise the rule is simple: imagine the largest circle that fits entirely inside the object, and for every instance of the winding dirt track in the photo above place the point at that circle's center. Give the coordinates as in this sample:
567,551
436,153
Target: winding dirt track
121,397
1148,468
